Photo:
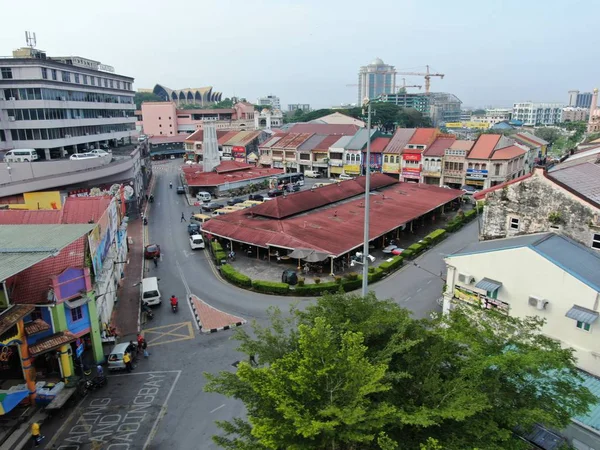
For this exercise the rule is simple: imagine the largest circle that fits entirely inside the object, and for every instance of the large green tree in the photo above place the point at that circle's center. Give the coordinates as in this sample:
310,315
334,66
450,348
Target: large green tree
141,97
465,381
548,134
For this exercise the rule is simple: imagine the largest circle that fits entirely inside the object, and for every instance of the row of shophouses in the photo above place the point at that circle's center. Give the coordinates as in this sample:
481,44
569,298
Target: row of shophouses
60,271
421,155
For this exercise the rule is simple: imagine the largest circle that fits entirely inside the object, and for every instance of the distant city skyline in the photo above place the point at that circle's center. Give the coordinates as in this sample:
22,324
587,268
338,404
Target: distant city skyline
488,53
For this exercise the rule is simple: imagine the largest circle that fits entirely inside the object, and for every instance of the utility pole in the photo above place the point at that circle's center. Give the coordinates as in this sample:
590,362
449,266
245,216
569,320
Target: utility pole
365,279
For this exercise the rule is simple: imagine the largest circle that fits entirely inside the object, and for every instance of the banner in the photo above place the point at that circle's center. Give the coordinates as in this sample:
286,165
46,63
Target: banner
102,236
411,157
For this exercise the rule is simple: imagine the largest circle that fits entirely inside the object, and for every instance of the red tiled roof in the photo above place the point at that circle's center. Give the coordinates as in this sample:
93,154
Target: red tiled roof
379,144
303,201
423,136
508,153
31,285
338,228
439,146
51,342
460,144
35,326
198,178
399,140
325,128
481,194
272,141
25,217
324,145
196,136
168,139
9,317
232,166
221,140
84,209
484,146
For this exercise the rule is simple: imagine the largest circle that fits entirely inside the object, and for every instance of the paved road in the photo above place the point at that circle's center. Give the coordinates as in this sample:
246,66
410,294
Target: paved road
180,354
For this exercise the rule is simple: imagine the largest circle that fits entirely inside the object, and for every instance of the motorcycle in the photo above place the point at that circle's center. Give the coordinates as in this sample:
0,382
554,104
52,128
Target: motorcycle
145,221
148,311
175,307
151,199
95,383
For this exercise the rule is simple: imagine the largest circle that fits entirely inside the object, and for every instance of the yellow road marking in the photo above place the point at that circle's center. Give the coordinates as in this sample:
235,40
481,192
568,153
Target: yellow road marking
156,334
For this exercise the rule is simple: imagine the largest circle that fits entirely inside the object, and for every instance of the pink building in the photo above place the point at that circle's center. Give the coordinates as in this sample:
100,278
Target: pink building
164,119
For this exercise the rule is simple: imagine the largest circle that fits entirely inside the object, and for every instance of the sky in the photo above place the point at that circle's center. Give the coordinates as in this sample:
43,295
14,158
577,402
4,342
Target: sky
493,53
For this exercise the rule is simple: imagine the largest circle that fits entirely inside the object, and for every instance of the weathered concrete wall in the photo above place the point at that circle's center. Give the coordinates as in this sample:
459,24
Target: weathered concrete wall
533,201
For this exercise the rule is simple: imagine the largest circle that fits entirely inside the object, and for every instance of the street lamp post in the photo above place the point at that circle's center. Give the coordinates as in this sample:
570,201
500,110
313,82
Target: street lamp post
365,255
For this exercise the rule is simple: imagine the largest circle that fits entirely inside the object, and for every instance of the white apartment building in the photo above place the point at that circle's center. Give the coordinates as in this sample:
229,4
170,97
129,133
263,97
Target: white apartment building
270,100
532,114
62,105
493,116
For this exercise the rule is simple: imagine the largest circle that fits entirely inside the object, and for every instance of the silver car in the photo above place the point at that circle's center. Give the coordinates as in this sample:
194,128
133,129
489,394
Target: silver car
115,359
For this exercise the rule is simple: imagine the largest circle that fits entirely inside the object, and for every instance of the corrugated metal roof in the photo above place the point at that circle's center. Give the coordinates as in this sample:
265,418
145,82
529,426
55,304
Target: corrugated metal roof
221,140
22,246
312,142
84,209
581,314
359,140
581,262
271,142
592,418
439,146
583,178
489,285
36,216
379,144
399,140
526,136
324,145
342,142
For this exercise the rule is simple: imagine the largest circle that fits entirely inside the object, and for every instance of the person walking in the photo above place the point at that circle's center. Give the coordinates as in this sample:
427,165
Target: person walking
155,259
127,361
35,434
183,219
99,371
144,348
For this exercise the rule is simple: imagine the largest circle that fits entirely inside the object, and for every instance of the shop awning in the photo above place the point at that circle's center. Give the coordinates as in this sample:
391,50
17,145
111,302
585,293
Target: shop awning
581,314
72,304
36,326
488,285
12,315
51,343
11,398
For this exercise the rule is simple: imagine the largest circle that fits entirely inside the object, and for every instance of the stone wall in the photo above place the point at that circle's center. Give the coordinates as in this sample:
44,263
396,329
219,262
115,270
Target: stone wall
535,201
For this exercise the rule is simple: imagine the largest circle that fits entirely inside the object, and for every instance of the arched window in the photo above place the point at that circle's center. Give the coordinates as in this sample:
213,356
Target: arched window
385,158
476,166
397,159
470,166
483,166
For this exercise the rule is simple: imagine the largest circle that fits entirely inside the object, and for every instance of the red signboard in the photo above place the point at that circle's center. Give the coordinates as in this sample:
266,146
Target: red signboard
411,173
411,157
413,170
239,152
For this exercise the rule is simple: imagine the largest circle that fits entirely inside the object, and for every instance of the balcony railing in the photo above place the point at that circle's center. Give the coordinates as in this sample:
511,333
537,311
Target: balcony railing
483,301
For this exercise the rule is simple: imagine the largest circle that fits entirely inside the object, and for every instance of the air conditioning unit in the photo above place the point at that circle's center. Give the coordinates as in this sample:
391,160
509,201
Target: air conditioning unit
11,118
67,136
466,278
12,98
538,303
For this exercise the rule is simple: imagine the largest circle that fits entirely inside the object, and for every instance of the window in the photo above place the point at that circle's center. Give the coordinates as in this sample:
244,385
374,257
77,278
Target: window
92,80
54,75
596,241
514,223
159,118
496,169
44,73
66,76
583,326
111,83
77,78
76,314
85,79
6,73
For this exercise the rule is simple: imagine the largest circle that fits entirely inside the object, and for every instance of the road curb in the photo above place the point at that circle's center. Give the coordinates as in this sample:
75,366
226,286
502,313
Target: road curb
212,330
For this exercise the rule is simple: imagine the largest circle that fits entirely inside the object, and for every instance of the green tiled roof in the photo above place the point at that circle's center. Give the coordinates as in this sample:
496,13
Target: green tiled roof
22,246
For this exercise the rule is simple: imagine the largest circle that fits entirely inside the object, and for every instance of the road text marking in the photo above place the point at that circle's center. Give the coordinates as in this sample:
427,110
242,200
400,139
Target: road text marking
217,408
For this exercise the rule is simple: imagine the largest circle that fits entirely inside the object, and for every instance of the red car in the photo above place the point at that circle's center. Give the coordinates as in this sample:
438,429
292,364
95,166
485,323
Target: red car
152,250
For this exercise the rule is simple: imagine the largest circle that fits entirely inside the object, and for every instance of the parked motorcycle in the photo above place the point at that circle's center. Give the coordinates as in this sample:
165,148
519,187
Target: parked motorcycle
148,311
145,221
95,383
151,199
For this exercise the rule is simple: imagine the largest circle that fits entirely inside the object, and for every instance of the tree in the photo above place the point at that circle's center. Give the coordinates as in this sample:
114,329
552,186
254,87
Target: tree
479,112
225,103
469,380
140,97
412,118
548,134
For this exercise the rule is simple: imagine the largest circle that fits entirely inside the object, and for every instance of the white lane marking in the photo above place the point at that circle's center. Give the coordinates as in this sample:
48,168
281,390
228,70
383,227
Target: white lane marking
188,293
217,408
419,290
407,299
429,281
162,413
186,253
161,257
143,373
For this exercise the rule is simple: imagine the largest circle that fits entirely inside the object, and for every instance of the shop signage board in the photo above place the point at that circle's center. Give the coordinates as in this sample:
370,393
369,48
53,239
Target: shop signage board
411,157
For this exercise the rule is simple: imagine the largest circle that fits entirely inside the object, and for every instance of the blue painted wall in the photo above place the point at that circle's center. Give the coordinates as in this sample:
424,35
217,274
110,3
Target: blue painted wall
80,325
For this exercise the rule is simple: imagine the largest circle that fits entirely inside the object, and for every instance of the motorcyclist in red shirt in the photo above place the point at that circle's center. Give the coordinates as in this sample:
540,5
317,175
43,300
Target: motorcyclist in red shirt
174,301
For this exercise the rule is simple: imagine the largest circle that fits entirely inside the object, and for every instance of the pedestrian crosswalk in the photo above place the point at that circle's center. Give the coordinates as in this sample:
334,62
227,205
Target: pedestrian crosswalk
159,167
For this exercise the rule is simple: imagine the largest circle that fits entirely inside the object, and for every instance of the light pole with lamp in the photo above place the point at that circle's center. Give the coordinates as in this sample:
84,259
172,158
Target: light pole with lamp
365,255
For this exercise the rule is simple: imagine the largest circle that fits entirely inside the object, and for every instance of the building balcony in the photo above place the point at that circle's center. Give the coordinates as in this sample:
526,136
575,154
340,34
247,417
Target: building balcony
474,298
336,162
63,123
454,173
305,162
432,173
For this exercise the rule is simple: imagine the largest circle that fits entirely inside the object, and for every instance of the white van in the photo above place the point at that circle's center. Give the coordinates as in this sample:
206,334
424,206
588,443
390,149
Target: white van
196,241
203,196
21,155
150,291
312,174
78,156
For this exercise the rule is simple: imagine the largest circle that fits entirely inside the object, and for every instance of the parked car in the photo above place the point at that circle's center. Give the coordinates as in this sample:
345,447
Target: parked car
99,152
193,228
292,188
196,241
203,196
469,190
234,201
344,177
78,156
115,359
199,219
312,174
180,190
256,197
152,250
210,207
275,193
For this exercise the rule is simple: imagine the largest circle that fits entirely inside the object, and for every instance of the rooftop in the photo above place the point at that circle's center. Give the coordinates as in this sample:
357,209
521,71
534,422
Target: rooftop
324,145
400,140
508,153
526,136
460,144
481,194
439,146
243,138
22,246
324,128
359,140
379,144
225,137
582,178
484,146
155,140
342,142
423,136
581,262
312,142
335,228
226,172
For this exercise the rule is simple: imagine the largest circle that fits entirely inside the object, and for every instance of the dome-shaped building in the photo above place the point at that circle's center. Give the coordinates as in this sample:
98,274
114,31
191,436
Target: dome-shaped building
375,79
195,96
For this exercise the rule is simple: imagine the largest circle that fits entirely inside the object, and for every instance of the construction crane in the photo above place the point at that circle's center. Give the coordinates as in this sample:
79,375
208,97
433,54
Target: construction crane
404,85
427,75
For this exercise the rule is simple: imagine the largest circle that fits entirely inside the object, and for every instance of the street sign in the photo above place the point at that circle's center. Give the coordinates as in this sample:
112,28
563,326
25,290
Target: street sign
80,348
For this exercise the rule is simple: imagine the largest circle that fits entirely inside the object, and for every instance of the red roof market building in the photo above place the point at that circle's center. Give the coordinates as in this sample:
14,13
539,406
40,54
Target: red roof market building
329,219
227,176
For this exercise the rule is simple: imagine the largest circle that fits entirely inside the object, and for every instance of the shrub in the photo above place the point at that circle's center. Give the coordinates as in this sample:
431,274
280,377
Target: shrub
376,275
435,236
220,256
392,265
352,285
317,281
232,275
470,215
371,269
216,246
453,225
313,290
270,287
300,281
407,254
416,248
351,276
338,279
